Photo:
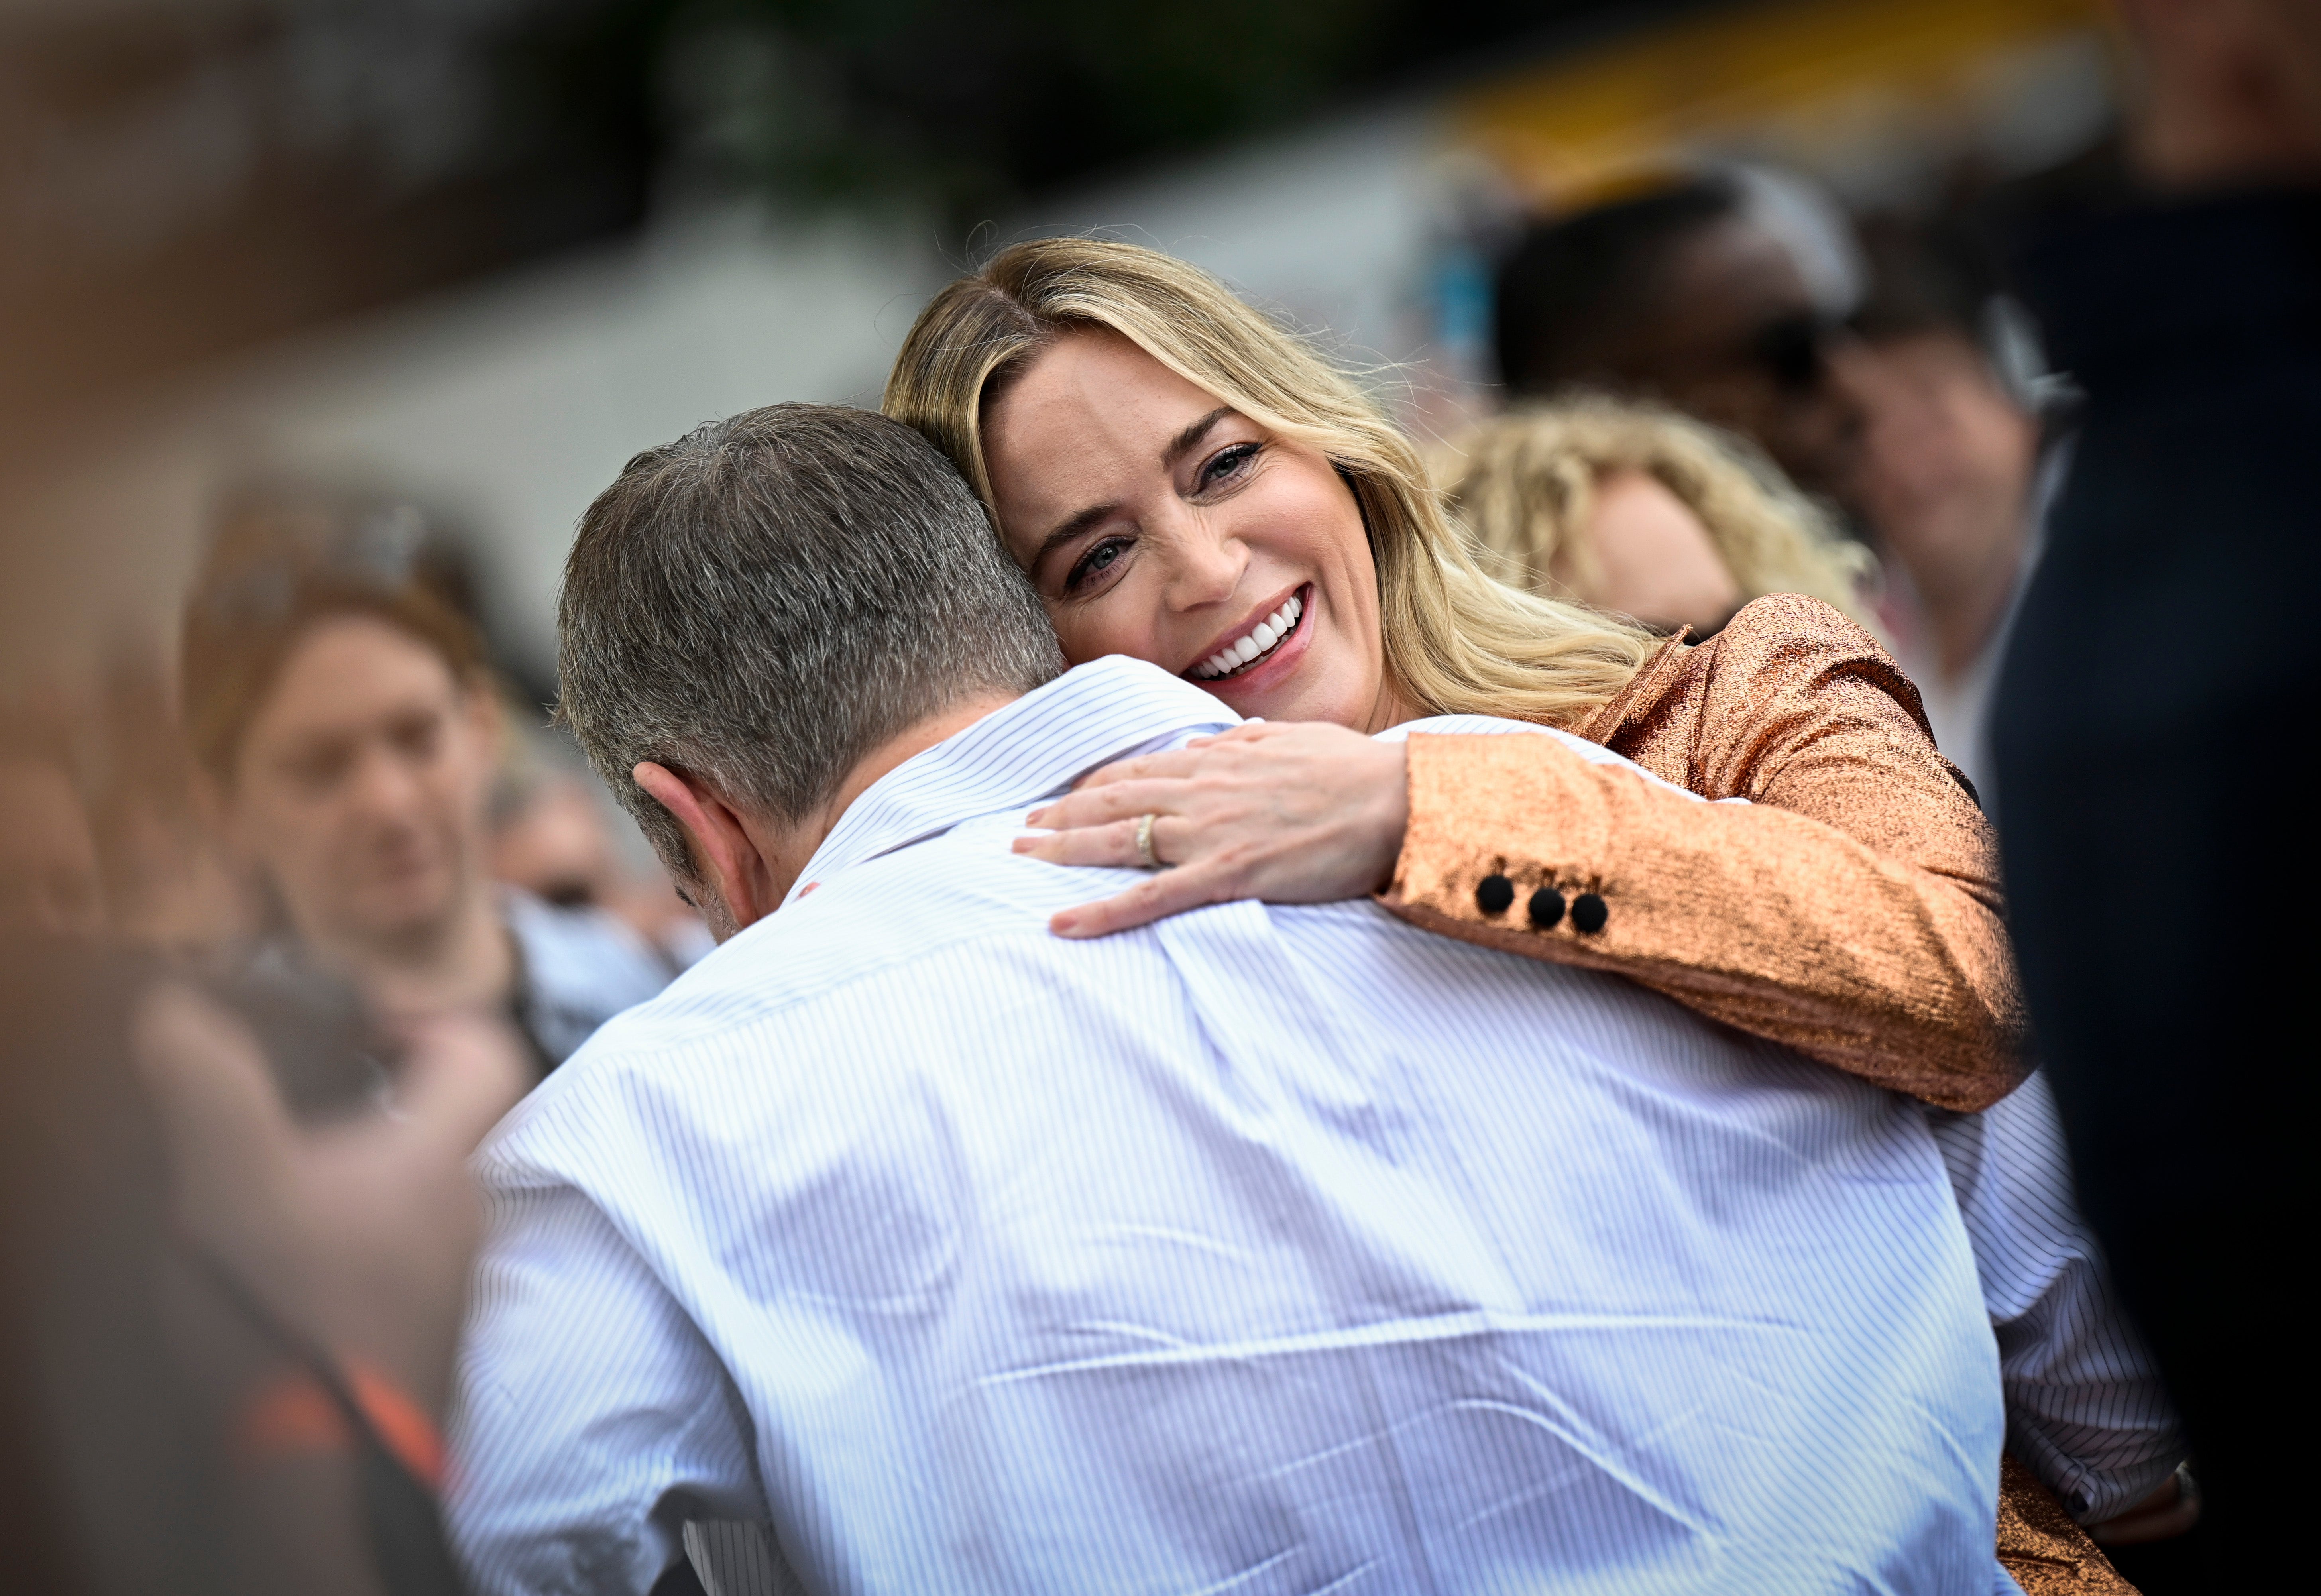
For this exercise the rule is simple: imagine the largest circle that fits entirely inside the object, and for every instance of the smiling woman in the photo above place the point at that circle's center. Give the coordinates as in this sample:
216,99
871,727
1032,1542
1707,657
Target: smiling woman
1188,484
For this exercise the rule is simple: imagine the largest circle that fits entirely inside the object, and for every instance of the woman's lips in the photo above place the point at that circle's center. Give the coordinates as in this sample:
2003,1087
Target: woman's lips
1246,655
1262,675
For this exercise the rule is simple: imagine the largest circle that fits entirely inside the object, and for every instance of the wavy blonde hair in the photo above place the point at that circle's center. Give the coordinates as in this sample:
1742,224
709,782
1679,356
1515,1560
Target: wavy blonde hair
1524,485
1455,641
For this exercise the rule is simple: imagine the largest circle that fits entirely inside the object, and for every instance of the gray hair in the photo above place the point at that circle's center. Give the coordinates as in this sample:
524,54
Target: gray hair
762,603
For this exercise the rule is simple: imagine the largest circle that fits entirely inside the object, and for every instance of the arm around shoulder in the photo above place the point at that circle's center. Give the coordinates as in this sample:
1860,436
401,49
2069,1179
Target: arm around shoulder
1850,909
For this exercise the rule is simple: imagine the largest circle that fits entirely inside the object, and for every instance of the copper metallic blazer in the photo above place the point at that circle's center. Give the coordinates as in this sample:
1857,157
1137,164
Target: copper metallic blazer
1850,909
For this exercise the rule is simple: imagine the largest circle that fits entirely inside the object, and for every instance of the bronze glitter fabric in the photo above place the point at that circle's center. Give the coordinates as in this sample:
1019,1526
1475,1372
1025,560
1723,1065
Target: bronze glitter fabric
1850,910
2042,1548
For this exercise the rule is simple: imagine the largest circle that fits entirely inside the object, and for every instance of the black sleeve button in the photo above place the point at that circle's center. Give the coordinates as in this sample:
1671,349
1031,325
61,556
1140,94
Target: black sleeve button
1589,913
1494,894
1546,907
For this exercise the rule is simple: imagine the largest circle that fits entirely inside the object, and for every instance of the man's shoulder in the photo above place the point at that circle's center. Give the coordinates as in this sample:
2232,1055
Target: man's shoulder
779,993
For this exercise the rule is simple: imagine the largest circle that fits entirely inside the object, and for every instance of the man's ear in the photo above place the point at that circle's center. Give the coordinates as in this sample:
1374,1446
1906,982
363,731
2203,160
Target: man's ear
732,871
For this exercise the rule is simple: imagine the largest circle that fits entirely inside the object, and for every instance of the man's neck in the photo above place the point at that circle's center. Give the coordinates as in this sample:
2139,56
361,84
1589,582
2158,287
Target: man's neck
786,850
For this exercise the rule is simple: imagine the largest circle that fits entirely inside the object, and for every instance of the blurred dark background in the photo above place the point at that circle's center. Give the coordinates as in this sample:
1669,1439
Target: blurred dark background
183,176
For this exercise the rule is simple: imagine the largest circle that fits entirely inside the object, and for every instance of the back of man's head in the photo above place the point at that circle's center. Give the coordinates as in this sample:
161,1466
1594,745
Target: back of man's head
1577,290
772,597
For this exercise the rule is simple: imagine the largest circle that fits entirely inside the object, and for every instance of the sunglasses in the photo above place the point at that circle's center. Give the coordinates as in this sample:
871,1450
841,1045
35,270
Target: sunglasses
1794,350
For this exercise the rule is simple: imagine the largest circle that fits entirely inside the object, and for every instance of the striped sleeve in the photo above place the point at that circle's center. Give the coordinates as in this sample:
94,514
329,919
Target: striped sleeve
2086,1410
593,1474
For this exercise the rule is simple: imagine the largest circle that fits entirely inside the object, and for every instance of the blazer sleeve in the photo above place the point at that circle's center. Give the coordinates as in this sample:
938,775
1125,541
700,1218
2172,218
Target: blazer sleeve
1850,909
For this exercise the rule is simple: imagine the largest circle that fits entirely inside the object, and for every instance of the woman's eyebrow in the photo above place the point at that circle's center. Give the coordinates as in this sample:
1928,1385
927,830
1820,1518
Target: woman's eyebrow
1091,516
1191,436
1178,446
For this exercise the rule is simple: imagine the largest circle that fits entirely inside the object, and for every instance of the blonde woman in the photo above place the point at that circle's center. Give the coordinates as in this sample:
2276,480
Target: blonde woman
1185,483
1638,510
1188,484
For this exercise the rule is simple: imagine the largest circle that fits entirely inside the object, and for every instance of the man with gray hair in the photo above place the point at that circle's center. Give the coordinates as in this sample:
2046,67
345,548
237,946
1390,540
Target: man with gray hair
1266,1248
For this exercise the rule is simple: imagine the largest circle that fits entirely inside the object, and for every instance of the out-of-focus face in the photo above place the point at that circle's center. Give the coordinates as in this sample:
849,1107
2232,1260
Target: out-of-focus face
556,846
1654,558
1157,523
1738,341
1945,480
359,785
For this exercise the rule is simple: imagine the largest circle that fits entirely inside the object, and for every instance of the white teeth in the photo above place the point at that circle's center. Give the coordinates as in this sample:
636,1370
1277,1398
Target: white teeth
1260,640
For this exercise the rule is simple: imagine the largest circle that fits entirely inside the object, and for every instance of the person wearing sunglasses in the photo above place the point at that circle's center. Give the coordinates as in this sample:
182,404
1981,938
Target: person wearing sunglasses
1700,293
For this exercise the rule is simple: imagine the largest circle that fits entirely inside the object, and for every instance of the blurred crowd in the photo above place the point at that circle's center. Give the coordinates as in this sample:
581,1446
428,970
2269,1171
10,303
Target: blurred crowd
298,905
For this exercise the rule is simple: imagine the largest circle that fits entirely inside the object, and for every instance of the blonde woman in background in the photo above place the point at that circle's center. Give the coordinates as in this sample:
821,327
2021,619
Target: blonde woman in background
1188,484
1642,511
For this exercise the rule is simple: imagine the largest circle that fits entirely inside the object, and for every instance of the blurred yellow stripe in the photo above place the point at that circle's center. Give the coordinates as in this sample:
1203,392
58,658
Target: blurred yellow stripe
1583,125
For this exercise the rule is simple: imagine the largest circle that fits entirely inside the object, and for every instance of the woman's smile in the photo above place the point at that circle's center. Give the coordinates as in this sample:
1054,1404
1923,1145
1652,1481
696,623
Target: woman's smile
1269,641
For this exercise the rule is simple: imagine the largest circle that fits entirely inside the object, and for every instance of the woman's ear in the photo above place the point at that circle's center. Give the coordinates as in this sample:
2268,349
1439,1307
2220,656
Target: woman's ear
735,883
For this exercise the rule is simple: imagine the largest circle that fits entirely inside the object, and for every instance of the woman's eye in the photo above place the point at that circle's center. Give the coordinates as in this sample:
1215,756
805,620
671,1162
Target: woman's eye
1093,564
1226,464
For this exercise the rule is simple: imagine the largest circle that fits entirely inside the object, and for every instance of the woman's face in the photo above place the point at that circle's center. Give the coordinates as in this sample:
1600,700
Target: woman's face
1654,558
1157,523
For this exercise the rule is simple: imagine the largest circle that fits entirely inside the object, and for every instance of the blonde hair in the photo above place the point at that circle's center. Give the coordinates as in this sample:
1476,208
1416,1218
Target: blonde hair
1525,484
1455,641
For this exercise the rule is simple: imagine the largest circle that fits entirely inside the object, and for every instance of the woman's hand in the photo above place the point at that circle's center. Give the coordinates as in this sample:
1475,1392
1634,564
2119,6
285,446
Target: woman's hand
1305,812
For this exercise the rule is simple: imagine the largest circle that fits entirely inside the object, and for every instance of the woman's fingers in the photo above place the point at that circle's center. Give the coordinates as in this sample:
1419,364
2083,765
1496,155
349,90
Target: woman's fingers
1101,806
1170,893
1175,764
1114,844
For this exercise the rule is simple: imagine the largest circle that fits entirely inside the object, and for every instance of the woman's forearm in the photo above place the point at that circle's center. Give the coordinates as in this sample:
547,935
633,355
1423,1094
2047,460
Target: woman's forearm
1765,919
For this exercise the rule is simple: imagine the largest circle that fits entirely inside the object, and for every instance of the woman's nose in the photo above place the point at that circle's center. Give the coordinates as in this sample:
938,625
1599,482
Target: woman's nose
1208,564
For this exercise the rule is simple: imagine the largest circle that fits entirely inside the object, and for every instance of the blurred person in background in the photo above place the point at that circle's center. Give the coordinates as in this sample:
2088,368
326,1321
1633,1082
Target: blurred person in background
1948,485
552,837
2152,737
226,1336
49,876
345,719
1721,294
1638,510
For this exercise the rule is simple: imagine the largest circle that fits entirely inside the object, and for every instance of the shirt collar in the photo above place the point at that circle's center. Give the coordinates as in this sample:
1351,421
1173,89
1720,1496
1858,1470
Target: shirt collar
1029,750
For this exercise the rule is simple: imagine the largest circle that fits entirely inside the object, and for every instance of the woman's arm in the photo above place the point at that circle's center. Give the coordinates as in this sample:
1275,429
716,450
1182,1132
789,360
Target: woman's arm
1850,910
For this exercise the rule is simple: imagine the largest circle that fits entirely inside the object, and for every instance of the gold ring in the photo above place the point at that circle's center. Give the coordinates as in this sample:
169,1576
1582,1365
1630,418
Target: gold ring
1145,854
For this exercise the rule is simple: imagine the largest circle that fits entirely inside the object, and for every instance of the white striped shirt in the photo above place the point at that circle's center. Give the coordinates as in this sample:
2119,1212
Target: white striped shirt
1262,1249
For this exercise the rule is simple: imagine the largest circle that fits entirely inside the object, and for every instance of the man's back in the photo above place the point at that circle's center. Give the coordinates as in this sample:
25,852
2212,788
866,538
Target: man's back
1266,1248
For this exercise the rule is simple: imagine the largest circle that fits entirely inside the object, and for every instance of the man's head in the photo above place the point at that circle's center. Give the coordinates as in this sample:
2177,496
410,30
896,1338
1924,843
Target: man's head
347,723
1689,294
762,618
